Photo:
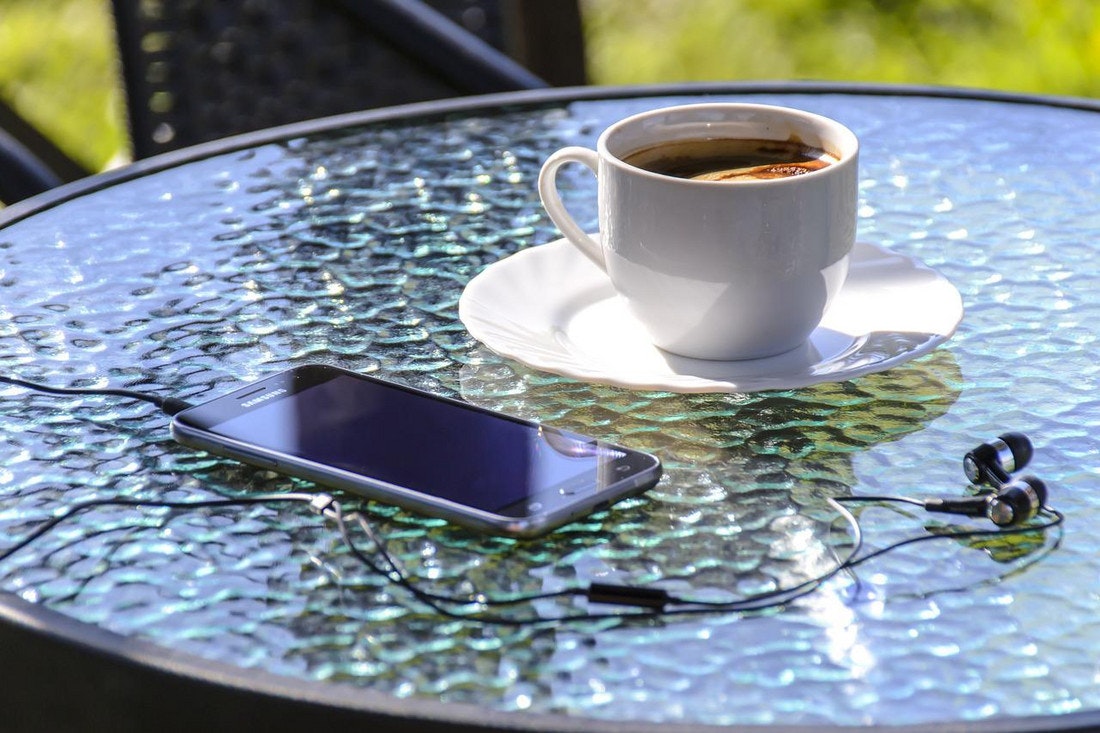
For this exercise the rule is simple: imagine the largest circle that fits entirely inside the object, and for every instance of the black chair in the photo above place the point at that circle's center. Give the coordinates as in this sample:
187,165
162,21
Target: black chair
197,70
29,163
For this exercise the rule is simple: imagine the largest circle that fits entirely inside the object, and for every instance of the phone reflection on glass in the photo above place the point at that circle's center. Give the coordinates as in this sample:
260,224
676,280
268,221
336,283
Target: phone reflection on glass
475,467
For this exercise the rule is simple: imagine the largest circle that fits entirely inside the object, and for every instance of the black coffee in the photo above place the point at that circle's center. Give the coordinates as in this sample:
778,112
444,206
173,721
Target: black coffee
728,159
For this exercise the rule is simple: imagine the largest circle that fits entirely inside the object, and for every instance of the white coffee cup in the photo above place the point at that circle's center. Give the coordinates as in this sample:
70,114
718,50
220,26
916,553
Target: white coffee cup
737,269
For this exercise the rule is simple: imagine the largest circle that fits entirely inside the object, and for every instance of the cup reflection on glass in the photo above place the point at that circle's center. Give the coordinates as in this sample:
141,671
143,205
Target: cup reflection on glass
726,227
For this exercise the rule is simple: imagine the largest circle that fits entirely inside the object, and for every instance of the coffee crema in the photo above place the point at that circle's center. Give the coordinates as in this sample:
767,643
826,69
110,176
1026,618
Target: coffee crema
730,159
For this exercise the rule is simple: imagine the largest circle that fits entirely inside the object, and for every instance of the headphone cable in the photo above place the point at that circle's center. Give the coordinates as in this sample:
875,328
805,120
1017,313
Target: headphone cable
169,405
652,602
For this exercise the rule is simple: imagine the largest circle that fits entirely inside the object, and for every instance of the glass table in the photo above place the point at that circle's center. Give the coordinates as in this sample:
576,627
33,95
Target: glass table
349,240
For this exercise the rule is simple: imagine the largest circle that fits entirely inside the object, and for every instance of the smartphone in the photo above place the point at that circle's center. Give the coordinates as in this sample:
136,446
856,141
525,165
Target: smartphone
475,467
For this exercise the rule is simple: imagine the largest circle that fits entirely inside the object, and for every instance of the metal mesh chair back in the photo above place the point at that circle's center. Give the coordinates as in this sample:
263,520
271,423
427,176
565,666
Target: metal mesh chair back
197,70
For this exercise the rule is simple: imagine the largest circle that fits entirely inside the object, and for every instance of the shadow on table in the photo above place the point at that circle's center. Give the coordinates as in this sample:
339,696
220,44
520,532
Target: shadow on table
757,467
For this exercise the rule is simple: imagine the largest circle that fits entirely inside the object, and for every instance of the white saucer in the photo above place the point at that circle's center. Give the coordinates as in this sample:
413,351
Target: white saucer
550,308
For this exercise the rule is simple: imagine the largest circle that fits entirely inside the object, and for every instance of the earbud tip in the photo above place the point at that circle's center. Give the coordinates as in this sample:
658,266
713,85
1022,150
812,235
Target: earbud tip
1020,446
1039,487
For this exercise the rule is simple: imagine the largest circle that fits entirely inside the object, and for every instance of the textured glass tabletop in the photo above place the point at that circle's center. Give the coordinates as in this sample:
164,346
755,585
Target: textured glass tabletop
351,246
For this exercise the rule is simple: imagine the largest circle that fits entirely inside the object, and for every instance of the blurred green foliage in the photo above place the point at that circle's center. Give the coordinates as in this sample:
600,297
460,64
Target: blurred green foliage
58,69
1048,46
58,64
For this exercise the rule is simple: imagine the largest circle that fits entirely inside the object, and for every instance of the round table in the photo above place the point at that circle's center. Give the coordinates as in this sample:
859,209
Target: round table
348,241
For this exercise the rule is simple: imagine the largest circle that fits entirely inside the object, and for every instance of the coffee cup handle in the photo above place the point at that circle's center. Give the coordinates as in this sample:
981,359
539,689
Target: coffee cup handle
551,200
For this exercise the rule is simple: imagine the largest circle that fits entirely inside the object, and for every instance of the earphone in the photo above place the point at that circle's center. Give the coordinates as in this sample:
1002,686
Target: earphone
993,462
1014,501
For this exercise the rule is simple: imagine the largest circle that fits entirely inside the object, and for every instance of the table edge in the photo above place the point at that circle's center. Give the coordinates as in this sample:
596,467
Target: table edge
56,196
127,683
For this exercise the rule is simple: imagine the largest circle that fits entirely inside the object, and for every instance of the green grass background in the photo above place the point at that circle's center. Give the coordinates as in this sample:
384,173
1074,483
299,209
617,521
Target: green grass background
58,66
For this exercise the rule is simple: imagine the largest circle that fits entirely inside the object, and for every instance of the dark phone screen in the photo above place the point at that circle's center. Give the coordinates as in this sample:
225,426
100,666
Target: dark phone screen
435,447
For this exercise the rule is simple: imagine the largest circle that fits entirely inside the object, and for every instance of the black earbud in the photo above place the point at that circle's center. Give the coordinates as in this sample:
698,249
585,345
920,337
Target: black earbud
1015,500
991,463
